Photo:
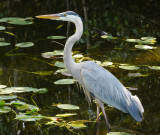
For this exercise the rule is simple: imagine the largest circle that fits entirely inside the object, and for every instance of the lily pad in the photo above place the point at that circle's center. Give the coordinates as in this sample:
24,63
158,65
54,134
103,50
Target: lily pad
59,64
67,106
21,22
56,37
25,44
77,56
2,103
65,81
145,47
41,90
66,115
2,28
5,109
7,97
134,74
148,38
4,44
51,54
15,20
10,90
77,124
26,117
118,133
133,40
2,86
107,37
106,63
154,67
128,67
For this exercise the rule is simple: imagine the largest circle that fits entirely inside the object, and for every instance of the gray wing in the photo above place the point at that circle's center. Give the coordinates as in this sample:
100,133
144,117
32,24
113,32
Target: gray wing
106,87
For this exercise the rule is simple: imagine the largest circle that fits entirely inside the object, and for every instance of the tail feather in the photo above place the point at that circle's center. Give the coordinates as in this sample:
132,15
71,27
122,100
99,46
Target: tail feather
136,108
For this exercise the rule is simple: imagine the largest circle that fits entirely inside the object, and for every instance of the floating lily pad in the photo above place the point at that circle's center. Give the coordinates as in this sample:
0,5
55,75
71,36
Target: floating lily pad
51,54
2,103
148,38
78,56
67,106
78,124
1,39
128,67
26,117
16,20
10,90
2,86
145,47
41,90
25,44
107,37
66,115
133,40
118,133
154,67
7,97
4,44
106,63
59,64
56,37
134,74
2,28
5,109
65,81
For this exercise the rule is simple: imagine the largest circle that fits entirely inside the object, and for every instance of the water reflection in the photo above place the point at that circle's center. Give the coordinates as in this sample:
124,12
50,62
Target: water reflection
119,19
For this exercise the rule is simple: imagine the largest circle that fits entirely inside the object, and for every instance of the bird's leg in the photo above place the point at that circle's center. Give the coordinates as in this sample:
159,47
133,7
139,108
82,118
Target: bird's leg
97,113
105,116
101,104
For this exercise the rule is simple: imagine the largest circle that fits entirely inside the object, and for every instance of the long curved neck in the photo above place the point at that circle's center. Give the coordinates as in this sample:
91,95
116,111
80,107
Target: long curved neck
68,60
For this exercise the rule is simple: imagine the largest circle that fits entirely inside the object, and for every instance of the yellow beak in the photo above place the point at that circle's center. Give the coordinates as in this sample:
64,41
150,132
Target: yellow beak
49,16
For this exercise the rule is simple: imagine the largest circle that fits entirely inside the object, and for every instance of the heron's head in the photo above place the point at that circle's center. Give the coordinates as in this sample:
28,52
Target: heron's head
64,16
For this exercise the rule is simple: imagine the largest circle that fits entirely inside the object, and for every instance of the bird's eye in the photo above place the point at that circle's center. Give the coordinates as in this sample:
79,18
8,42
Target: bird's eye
64,14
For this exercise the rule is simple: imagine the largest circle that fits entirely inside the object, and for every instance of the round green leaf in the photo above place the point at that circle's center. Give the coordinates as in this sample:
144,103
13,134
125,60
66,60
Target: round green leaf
59,64
77,124
51,54
148,38
2,86
2,103
68,106
65,81
2,28
26,117
25,44
154,67
145,47
20,22
5,109
8,97
127,67
77,56
133,40
4,44
106,63
56,37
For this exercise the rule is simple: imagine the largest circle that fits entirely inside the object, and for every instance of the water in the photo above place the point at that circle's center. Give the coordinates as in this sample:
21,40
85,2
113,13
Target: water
121,20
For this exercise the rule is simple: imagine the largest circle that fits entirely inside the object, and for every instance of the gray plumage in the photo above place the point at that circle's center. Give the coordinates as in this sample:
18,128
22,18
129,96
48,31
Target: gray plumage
94,79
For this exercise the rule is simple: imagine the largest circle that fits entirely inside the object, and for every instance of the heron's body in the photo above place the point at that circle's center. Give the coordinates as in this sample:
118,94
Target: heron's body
96,80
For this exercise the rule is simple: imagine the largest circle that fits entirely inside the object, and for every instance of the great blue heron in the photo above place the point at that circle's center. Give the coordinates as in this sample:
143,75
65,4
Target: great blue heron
95,80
